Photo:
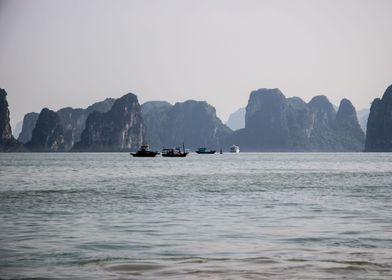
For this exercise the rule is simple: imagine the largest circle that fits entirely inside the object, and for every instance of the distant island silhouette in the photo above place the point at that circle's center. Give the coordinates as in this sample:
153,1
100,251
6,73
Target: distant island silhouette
272,123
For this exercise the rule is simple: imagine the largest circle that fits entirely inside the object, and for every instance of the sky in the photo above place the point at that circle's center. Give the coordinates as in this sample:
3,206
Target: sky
73,53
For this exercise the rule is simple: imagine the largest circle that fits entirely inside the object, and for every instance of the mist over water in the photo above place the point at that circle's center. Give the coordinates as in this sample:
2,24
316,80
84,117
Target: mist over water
230,216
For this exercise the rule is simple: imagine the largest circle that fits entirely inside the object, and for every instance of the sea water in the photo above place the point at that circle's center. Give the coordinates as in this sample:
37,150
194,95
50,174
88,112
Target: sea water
230,216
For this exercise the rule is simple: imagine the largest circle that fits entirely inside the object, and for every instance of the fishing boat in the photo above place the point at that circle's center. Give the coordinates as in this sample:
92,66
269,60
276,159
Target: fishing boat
144,151
205,151
175,152
234,149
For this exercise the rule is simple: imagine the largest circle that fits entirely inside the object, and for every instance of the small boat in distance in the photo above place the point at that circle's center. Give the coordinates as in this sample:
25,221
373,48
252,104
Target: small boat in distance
144,151
205,151
175,152
234,149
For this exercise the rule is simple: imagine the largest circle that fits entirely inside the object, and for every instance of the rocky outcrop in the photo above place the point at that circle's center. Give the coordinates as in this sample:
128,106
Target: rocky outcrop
28,126
320,132
379,126
299,121
350,134
276,123
191,122
156,120
363,116
48,134
7,141
17,129
237,119
266,112
72,120
119,129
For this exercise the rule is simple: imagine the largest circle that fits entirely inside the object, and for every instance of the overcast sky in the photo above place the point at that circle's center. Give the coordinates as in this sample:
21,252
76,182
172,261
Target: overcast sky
73,53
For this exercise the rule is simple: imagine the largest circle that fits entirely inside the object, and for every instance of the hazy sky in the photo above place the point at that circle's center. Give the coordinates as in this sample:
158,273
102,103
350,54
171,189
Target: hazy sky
73,53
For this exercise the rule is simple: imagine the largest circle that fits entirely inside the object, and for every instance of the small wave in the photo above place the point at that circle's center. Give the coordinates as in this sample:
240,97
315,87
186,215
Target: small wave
359,263
134,267
350,233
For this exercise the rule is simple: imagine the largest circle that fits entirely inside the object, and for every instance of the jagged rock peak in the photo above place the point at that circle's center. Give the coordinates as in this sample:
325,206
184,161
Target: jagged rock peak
191,102
29,121
346,113
47,135
276,123
266,91
7,141
346,104
124,103
193,122
264,103
350,133
388,94
101,106
73,121
264,95
321,101
323,110
195,105
119,129
379,126
5,127
296,102
266,112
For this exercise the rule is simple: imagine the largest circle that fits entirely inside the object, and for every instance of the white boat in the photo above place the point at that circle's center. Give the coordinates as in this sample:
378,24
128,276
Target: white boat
234,149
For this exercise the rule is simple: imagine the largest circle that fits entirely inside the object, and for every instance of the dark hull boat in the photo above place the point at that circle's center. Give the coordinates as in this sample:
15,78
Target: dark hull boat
205,151
176,152
144,152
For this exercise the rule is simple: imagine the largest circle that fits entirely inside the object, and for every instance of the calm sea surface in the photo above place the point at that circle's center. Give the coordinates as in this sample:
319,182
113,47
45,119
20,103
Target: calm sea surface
230,216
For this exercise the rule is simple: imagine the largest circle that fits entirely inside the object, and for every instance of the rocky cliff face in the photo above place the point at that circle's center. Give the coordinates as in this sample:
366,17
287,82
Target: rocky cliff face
156,121
276,123
119,129
17,129
196,124
7,141
363,116
72,120
379,126
48,134
320,132
266,112
299,121
28,126
350,134
237,119
5,127
191,122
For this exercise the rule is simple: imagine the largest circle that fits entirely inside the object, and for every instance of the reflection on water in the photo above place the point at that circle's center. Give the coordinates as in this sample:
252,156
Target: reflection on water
230,216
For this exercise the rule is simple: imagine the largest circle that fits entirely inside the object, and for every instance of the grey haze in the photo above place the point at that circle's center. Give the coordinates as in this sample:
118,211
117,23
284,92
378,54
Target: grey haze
71,53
